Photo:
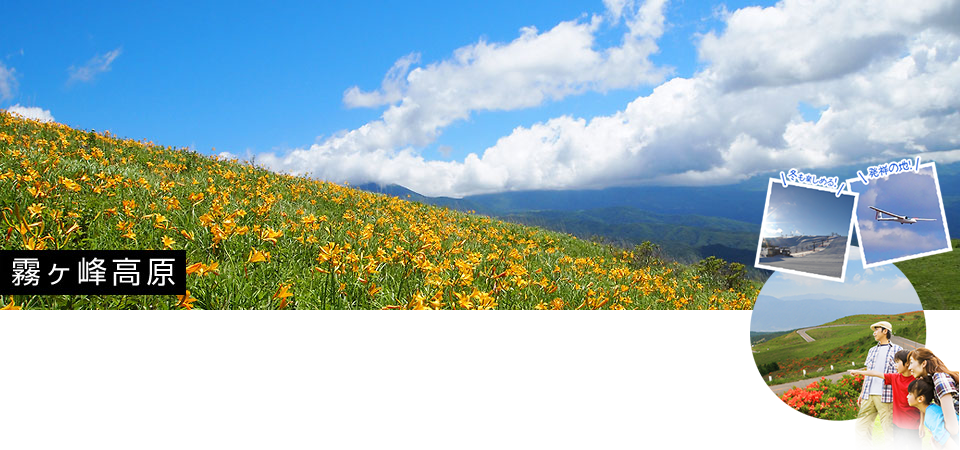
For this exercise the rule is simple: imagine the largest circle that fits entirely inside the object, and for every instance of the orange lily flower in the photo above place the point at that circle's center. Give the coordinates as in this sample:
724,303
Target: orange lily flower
282,293
194,267
10,306
258,256
186,301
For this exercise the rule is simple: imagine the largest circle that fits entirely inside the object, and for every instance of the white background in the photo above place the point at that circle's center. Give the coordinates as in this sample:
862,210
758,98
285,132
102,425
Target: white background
371,379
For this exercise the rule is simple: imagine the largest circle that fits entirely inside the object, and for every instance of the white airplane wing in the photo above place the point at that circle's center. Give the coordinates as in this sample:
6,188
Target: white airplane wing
914,218
887,213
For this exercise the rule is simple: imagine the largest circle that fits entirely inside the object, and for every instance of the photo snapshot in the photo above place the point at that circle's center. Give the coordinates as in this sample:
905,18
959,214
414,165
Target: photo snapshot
900,215
807,227
856,352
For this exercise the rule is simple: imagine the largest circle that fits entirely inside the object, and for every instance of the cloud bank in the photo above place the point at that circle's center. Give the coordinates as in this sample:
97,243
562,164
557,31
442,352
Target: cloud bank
886,77
32,112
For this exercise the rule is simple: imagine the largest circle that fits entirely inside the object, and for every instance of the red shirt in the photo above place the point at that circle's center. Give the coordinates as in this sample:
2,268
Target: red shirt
904,415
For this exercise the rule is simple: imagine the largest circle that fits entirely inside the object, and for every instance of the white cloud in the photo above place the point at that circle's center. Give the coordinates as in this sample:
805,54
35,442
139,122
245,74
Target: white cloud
8,82
887,78
901,283
527,72
391,90
796,42
899,238
32,112
93,67
535,68
615,8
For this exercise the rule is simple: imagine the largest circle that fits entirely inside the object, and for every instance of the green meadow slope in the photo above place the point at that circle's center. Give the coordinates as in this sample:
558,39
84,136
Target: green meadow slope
255,239
844,347
935,278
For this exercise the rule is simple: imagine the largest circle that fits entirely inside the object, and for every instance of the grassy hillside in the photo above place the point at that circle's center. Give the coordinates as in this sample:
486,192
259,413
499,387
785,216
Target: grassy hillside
839,346
826,338
757,337
935,278
256,239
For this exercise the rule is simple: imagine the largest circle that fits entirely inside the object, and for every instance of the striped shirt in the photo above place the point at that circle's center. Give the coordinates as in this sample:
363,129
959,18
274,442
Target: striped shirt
944,384
888,366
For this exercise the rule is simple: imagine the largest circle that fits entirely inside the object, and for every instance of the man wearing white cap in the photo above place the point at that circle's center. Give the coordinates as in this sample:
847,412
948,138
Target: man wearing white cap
876,398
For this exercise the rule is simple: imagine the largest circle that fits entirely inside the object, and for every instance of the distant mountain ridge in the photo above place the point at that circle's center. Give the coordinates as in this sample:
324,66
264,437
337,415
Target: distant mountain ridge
801,297
742,201
689,223
686,238
628,216
778,314
401,192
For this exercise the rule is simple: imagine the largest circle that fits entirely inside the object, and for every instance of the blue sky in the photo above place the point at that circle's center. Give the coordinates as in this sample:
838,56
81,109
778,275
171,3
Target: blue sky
459,99
913,194
798,210
882,284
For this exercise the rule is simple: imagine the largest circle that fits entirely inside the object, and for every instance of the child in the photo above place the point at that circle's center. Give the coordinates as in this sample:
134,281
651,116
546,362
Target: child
906,420
919,395
924,364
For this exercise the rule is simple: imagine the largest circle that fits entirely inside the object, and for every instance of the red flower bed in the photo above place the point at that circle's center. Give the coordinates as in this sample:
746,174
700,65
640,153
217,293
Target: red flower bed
826,399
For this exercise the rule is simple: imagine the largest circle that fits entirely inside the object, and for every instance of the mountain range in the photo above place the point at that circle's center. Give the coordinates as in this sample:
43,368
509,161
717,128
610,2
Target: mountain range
789,313
688,223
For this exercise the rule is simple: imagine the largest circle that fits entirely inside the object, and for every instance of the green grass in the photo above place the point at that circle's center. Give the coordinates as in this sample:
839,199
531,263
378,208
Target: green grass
935,278
867,319
792,346
325,246
757,337
908,325
838,346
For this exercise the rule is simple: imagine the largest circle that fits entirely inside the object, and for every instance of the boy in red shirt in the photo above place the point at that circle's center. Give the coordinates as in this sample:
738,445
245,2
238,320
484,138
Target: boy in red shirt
906,419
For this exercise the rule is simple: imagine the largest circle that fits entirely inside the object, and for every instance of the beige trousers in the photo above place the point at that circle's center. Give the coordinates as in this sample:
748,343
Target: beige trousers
869,410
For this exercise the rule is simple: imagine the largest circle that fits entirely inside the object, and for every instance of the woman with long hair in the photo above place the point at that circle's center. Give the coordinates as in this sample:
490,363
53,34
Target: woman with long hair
924,364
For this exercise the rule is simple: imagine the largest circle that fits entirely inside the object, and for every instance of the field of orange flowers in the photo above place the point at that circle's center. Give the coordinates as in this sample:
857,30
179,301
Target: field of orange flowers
259,240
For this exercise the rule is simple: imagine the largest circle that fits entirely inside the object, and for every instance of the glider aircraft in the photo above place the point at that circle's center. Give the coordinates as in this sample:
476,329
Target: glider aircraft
896,217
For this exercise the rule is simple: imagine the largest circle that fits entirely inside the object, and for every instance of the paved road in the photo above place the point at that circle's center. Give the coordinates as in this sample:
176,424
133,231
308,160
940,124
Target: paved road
907,344
806,337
